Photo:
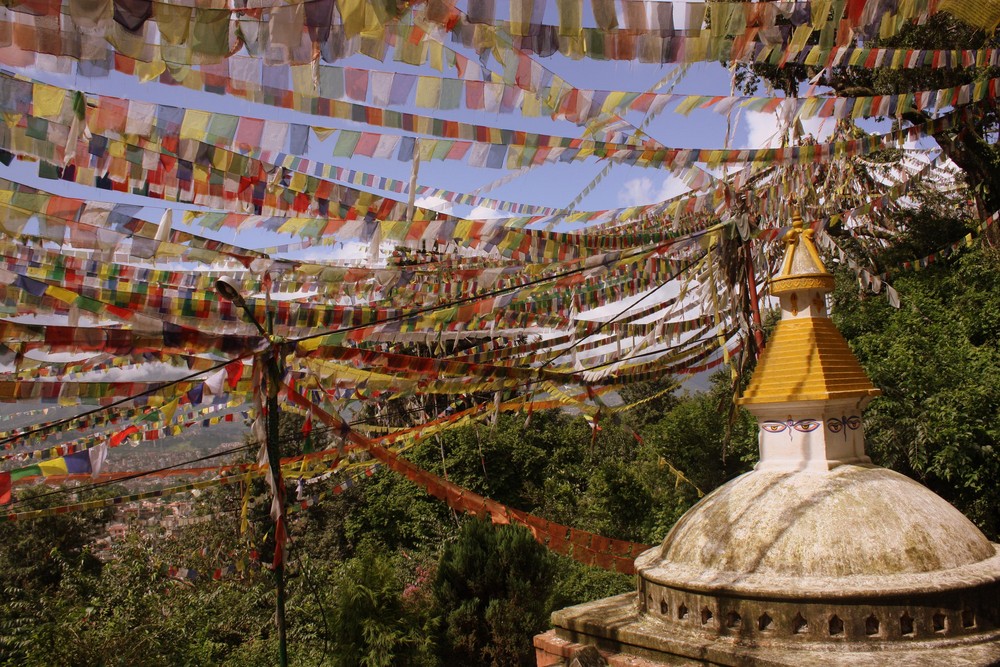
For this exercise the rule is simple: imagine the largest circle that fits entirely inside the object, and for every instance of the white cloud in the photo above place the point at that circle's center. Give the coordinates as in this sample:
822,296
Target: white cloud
671,187
635,191
340,251
435,204
821,128
154,371
921,143
58,357
59,320
642,190
762,129
486,213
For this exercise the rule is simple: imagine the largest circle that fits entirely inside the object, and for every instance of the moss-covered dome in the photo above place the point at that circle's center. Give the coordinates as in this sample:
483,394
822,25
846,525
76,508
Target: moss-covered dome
853,531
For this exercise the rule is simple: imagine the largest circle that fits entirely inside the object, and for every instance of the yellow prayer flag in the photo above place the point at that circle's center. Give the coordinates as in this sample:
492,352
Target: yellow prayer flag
47,100
195,124
812,59
221,160
148,71
531,106
697,49
810,107
305,80
53,467
426,148
428,92
323,133
352,13
688,104
168,410
613,101
435,52
799,38
292,226
298,182
165,250
62,294
463,229
201,173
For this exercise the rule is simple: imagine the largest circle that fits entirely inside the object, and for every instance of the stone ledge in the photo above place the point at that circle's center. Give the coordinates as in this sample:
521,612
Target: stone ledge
625,660
614,626
554,651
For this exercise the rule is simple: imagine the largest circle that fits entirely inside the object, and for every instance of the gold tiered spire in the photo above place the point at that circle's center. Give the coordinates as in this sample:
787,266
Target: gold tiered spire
802,268
806,358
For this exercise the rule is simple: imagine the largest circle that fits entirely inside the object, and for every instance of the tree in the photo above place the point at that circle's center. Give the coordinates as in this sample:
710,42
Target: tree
937,361
36,553
971,146
36,557
652,409
372,624
492,589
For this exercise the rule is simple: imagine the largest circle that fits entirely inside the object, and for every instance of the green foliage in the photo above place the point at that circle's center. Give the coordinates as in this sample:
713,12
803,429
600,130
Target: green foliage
393,512
45,565
937,362
651,410
131,615
691,437
492,586
383,575
35,554
496,461
372,623
576,583
704,437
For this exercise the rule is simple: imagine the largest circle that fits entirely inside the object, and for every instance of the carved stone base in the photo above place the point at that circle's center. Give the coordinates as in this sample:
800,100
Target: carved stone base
623,638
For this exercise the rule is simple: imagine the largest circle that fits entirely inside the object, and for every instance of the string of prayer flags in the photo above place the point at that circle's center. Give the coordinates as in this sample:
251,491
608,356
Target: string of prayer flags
191,35
583,546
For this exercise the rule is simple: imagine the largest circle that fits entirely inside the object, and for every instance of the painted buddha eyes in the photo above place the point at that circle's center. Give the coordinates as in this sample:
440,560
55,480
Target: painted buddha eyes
806,425
801,425
835,424
838,424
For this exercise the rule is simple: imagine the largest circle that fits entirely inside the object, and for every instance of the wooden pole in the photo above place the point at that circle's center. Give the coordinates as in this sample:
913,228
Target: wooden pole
758,332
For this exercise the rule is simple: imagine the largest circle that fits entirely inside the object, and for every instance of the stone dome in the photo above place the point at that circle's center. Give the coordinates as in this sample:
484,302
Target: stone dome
856,530
816,545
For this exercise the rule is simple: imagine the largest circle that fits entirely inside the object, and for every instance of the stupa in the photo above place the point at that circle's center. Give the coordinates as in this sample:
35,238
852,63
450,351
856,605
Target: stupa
815,557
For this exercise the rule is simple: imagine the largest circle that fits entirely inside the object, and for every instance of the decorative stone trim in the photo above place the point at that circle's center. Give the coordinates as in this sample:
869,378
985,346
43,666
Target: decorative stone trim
920,618
781,286
626,638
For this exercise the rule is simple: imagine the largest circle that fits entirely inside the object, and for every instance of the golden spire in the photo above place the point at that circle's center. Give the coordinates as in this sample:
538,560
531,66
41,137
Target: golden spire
806,358
802,268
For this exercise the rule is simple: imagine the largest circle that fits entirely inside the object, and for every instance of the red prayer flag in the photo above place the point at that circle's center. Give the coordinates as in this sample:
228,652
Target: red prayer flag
234,372
117,438
4,488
